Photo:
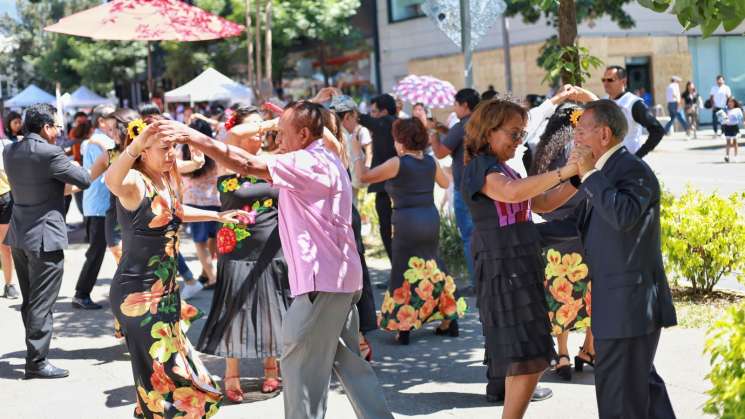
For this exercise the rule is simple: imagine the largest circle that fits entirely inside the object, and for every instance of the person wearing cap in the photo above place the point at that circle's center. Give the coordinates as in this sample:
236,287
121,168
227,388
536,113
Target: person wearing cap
673,104
345,107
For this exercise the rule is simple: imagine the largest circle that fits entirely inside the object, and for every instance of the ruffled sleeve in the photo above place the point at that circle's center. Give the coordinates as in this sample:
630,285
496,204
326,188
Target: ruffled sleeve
474,175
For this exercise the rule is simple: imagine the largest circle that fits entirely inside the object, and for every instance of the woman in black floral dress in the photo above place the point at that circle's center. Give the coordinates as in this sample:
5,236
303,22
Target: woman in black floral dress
252,291
170,380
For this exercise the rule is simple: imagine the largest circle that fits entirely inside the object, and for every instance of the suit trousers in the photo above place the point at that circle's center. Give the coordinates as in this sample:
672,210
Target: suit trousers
384,208
96,231
320,335
39,277
626,383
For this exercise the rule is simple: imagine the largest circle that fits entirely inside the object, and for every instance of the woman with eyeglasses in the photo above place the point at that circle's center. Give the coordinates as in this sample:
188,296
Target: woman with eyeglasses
507,254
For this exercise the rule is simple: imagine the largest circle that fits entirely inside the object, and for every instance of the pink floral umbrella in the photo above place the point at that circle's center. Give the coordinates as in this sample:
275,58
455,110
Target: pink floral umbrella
431,91
147,20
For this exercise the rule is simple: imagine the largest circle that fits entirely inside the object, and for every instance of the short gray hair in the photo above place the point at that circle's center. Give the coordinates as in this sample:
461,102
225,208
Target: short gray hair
606,112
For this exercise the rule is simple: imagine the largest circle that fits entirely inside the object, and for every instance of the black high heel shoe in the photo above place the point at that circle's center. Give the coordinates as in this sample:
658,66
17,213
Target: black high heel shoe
565,371
452,330
403,338
579,363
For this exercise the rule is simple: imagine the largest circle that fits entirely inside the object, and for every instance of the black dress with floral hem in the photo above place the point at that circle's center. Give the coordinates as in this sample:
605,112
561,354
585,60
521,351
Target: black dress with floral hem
509,271
170,380
252,292
419,291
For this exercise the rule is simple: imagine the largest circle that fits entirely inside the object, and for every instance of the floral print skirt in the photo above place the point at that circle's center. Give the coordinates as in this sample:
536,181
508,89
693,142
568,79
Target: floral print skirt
568,291
426,294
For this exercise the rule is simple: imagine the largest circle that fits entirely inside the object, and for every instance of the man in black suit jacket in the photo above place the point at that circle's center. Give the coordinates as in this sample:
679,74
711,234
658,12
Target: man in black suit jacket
38,171
620,230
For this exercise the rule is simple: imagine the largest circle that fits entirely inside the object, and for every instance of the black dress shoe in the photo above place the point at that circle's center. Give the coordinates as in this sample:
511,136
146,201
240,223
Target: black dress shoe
539,394
47,371
85,303
452,330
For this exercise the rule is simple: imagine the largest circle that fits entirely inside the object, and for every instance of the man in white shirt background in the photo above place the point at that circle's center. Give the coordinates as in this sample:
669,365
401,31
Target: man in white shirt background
674,107
719,95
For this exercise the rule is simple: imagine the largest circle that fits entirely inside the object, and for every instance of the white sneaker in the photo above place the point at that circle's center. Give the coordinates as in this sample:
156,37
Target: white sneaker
190,290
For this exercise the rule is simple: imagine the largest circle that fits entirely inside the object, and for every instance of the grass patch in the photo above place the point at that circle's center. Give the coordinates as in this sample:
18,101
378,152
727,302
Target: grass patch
701,311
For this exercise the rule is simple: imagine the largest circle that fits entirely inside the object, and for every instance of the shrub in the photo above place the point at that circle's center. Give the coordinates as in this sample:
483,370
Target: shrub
703,237
726,345
451,247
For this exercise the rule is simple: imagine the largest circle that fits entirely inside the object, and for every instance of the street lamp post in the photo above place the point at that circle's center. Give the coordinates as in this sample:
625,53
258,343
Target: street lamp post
465,19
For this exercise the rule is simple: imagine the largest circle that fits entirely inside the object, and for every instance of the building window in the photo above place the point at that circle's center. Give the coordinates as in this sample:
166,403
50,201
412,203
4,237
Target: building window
399,10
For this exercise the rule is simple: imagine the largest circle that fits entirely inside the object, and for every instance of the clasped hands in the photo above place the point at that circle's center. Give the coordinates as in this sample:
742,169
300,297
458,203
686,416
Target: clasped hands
582,158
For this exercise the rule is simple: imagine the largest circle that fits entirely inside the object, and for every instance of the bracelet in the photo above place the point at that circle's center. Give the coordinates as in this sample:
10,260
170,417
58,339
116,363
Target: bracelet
126,151
558,174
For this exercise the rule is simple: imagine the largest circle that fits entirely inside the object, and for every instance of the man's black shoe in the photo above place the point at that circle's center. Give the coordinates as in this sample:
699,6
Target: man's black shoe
539,394
47,371
85,303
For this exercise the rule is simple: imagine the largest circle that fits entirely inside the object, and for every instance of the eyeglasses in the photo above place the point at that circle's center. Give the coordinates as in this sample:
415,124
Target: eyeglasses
516,136
59,127
604,80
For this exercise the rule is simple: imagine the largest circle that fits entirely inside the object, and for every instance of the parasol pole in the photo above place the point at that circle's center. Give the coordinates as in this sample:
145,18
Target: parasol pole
149,71
465,20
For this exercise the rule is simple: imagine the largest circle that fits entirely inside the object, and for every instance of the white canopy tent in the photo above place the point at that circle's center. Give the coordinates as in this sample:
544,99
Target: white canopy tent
83,97
31,95
211,86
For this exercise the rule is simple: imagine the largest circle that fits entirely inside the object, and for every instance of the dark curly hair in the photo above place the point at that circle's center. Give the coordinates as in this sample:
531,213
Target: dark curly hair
554,141
410,133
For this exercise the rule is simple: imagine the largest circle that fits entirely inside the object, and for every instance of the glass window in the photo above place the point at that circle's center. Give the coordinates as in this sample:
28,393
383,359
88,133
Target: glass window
399,10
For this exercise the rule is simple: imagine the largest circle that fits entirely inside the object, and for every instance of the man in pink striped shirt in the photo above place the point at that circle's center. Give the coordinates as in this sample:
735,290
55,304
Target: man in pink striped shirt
321,328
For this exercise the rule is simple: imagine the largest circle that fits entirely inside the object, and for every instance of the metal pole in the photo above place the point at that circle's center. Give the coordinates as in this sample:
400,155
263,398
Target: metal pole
507,57
465,24
149,71
250,47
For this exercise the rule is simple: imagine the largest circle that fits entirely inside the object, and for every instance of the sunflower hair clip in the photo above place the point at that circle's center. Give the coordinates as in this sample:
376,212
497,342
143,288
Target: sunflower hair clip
135,127
574,117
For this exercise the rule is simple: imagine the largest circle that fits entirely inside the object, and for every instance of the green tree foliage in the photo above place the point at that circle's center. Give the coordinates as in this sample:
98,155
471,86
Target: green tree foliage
45,58
706,14
564,57
726,346
703,237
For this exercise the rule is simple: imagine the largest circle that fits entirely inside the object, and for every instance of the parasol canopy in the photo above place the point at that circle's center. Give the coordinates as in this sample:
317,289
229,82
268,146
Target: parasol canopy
431,91
146,20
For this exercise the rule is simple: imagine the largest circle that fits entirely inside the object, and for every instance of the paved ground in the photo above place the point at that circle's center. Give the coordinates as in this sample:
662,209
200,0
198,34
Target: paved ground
433,377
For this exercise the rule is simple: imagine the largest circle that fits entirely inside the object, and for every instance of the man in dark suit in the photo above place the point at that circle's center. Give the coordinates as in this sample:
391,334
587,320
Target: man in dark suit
620,230
38,171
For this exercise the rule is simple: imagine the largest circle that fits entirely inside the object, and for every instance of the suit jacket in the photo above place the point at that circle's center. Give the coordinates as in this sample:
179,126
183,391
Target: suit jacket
619,225
37,172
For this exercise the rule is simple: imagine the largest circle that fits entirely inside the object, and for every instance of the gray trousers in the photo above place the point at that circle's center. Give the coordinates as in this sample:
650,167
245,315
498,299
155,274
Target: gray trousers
321,335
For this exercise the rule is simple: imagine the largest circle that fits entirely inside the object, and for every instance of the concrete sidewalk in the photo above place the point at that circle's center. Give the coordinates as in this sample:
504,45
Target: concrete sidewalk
434,377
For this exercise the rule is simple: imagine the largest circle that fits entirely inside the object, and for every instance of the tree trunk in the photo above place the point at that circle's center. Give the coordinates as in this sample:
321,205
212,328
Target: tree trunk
259,73
250,46
268,42
568,37
322,60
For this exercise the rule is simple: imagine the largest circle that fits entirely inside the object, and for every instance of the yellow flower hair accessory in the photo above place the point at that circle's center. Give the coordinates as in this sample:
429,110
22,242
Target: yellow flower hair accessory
574,117
135,127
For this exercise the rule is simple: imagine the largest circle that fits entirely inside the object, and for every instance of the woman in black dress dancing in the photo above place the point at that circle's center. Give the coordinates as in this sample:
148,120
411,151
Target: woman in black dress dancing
418,291
252,292
169,378
506,249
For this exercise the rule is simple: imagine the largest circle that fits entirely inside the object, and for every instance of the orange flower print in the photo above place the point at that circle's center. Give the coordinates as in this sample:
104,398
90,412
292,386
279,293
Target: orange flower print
152,399
438,277
561,290
449,285
161,382
416,263
138,303
188,312
172,245
402,295
556,330
568,312
407,317
424,289
189,401
392,325
448,305
388,303
430,268
588,299
427,309
162,212
575,269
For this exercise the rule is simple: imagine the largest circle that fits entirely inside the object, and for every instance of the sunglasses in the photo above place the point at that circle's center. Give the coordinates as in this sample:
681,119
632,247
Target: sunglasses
516,136
608,80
